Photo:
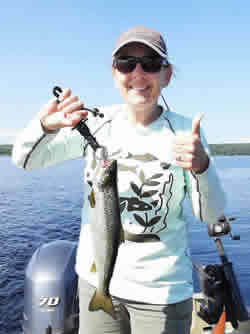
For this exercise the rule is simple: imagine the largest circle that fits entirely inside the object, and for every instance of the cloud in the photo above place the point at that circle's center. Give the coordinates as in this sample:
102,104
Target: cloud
7,136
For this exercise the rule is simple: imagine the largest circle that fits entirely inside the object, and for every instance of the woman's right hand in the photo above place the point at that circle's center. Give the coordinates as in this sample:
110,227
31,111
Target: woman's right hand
67,113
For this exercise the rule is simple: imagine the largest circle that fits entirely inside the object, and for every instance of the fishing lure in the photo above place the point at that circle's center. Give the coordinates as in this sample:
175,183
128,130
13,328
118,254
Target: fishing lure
81,126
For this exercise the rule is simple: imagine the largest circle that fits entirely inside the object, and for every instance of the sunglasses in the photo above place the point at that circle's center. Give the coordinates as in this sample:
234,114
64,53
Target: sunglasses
127,64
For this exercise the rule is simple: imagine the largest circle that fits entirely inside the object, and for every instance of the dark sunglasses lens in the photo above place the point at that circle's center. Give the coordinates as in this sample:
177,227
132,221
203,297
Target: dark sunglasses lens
151,64
125,65
148,64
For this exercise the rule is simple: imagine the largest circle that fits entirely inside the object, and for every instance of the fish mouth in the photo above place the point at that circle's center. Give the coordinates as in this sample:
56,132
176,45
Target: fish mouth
108,164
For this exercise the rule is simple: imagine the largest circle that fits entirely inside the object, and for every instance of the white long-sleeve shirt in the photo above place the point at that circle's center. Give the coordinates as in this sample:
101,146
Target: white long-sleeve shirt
152,190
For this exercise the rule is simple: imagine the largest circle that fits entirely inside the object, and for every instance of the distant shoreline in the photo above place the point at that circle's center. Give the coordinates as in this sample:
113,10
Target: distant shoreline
216,149
230,149
6,149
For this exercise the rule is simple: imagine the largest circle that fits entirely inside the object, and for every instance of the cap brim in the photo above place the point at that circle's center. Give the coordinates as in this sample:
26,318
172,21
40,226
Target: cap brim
151,46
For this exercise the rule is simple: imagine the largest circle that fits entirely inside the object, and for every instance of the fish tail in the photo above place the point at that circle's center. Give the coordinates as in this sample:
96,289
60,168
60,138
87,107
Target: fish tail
99,301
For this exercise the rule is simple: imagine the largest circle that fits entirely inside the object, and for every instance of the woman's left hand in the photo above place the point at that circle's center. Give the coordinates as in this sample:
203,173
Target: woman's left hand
190,153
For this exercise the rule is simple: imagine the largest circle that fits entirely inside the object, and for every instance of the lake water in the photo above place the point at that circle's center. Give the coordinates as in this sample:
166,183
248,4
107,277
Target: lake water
40,206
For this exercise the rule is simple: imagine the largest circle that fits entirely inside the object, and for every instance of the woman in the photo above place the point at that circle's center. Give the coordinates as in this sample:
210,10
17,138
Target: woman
162,156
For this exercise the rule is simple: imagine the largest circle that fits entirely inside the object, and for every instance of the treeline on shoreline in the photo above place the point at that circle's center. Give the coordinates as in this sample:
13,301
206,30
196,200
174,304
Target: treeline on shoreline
5,149
216,149
230,149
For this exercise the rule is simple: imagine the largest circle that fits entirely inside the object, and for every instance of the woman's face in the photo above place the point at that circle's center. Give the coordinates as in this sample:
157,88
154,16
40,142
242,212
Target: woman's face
139,88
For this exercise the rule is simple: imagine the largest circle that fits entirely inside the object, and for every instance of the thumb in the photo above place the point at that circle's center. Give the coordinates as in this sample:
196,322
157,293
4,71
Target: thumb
196,124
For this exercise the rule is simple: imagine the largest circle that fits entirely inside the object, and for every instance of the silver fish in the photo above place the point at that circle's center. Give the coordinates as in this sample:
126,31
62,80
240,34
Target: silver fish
106,230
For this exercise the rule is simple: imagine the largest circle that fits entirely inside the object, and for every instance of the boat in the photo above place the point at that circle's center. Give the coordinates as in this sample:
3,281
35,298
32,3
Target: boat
51,304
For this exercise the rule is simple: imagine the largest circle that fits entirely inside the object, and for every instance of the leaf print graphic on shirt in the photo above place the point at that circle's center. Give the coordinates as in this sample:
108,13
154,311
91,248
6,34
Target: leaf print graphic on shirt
167,192
133,204
147,215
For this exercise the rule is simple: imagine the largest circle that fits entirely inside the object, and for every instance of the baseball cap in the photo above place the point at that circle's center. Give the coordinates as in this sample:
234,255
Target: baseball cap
140,34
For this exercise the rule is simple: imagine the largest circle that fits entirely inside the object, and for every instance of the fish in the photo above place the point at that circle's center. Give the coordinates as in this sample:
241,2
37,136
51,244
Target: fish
106,231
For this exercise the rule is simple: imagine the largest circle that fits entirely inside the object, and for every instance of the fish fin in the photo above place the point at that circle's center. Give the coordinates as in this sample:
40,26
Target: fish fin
99,301
91,199
93,268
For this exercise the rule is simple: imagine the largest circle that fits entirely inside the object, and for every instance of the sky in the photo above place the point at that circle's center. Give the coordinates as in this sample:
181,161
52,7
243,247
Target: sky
69,43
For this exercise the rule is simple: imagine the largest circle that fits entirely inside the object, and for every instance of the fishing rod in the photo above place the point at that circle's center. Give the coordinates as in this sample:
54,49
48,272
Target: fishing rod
81,126
219,284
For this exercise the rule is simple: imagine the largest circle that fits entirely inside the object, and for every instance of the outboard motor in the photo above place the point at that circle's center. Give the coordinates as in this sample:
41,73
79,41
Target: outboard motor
51,291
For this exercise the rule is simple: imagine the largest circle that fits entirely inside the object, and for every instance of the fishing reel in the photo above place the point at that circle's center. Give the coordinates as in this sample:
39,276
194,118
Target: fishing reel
222,228
218,282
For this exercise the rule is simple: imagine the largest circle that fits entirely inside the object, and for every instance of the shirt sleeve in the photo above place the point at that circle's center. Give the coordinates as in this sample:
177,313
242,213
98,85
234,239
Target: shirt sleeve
207,197
34,149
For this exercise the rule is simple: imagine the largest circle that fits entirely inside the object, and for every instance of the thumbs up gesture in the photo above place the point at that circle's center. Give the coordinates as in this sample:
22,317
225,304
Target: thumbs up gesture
190,153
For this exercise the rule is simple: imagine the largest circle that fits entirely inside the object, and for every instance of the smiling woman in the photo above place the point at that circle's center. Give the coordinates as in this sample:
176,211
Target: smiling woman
140,74
140,71
152,274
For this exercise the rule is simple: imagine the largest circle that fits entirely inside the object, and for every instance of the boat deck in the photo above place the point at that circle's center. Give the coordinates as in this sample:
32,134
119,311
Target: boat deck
198,324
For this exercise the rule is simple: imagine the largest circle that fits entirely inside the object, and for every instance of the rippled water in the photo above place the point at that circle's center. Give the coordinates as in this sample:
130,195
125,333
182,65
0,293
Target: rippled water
41,206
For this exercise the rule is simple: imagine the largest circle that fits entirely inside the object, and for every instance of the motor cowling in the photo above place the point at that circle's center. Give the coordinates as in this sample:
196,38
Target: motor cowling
51,290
